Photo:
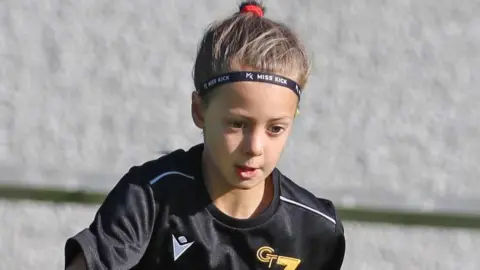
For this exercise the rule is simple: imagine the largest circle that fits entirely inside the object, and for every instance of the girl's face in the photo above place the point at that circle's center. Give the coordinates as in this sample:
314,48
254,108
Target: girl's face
246,126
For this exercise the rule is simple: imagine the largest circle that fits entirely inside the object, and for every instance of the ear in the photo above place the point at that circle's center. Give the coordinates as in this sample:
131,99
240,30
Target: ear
197,110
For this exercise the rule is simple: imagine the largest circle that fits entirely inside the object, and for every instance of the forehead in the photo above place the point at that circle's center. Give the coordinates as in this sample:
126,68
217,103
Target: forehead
256,98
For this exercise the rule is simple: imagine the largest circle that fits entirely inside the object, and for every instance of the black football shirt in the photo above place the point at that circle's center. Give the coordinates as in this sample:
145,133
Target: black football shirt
160,216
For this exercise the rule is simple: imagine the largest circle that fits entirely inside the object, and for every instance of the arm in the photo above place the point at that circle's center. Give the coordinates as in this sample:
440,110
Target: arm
78,263
120,232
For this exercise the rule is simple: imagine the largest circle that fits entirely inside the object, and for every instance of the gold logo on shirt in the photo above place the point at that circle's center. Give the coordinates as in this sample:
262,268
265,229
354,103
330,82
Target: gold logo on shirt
267,255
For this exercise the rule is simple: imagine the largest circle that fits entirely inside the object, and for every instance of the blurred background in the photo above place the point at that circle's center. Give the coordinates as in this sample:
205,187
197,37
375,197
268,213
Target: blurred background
389,126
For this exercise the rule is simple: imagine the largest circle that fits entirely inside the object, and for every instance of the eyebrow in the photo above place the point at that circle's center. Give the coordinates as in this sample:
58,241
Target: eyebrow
243,115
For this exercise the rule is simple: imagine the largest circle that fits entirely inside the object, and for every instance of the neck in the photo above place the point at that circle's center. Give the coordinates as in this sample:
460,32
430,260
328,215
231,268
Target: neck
237,203
243,204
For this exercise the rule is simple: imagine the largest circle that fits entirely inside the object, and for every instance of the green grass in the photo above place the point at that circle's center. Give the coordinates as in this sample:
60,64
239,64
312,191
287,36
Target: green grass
430,219
444,220
50,195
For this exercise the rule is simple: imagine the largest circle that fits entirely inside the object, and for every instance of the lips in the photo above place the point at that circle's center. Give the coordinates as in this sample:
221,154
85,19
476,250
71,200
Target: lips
246,168
246,172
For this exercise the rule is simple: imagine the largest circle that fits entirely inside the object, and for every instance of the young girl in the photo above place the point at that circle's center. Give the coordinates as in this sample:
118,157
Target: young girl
223,204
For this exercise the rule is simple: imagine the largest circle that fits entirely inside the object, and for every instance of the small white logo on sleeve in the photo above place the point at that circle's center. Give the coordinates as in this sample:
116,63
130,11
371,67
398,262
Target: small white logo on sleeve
180,246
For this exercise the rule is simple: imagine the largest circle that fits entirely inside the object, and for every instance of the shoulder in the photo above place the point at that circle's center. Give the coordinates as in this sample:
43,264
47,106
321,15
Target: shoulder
133,204
169,171
320,210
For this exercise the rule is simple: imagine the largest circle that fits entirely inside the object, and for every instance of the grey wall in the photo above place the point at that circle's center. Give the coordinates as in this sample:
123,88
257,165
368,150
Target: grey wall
389,118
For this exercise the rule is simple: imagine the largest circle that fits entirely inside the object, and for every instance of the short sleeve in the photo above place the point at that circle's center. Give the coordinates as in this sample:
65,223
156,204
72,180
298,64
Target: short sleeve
121,230
335,261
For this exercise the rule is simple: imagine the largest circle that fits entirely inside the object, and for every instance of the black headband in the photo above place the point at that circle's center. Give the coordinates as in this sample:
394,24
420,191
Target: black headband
243,76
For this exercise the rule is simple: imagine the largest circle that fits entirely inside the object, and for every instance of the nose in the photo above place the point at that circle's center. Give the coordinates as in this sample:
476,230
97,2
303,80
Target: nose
253,143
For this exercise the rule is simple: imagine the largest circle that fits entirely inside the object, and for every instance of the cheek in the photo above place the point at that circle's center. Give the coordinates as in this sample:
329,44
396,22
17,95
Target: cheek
276,148
219,140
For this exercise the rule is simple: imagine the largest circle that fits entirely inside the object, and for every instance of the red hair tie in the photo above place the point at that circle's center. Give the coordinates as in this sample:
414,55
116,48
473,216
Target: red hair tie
253,9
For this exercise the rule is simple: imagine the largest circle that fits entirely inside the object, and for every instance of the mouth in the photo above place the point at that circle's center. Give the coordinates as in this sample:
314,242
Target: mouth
246,172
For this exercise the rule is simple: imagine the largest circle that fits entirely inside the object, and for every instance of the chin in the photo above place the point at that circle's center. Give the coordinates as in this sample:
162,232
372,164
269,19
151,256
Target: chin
246,184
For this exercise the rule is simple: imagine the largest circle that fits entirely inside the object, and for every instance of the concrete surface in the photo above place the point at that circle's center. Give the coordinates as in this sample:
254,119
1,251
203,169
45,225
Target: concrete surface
390,116
33,236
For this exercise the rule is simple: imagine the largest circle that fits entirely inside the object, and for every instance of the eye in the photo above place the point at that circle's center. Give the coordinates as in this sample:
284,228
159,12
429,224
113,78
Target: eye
276,130
236,124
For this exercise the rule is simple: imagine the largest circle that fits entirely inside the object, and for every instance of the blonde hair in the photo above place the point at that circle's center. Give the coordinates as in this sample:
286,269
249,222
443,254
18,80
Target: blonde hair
246,41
